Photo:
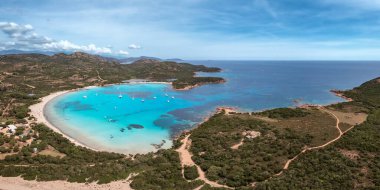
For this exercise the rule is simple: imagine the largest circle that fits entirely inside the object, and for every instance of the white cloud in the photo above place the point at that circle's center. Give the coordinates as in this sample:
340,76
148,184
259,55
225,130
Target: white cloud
14,30
24,37
134,46
122,52
68,46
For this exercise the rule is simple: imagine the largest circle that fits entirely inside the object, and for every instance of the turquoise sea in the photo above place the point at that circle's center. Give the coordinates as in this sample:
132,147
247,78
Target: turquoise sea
129,118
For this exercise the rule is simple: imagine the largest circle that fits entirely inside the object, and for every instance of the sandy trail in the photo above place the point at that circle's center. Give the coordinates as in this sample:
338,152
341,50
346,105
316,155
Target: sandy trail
317,147
186,160
99,77
336,125
17,183
30,86
236,146
7,108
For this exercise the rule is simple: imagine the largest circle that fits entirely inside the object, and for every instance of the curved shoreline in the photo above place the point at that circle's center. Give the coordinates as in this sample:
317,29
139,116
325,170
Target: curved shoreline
37,111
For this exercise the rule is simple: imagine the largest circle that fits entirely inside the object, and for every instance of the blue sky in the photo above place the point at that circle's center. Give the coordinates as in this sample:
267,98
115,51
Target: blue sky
197,29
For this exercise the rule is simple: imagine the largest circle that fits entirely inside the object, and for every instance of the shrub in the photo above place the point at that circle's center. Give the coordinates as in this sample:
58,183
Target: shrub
190,172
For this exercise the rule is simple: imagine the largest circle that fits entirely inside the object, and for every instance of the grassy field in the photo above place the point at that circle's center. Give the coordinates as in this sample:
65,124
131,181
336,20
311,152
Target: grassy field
317,124
51,151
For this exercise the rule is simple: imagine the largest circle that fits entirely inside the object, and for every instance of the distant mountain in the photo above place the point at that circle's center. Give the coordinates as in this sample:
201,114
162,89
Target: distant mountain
112,59
51,53
69,71
86,57
175,60
16,51
134,59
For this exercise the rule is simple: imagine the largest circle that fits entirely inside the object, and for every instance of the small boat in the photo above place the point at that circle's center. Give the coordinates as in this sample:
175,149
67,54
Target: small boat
154,97
168,100
142,100
120,96
172,97
84,97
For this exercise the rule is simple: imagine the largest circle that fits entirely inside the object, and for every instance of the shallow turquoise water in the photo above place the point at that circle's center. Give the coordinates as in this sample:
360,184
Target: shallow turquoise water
101,119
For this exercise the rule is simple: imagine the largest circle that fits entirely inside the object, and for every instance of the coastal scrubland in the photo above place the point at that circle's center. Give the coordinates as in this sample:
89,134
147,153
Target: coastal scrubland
84,165
352,162
260,156
331,147
187,83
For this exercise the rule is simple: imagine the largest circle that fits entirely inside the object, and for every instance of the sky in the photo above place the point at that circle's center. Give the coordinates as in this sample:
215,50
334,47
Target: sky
196,29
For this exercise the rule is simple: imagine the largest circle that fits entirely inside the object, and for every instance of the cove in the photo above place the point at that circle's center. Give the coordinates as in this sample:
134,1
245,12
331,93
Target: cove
139,118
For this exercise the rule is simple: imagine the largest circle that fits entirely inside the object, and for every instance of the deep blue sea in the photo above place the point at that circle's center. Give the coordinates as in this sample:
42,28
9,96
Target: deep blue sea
129,118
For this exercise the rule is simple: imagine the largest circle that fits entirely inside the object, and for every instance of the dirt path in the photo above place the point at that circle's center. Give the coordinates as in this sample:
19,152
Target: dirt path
336,125
100,78
186,160
17,183
236,146
317,147
6,109
30,86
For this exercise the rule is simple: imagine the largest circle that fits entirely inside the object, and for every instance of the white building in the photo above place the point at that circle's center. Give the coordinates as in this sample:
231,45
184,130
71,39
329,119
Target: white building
12,128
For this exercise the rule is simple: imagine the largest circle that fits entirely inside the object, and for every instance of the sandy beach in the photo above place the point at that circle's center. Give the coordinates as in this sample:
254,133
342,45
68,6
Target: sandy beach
37,110
341,95
147,83
17,183
143,81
